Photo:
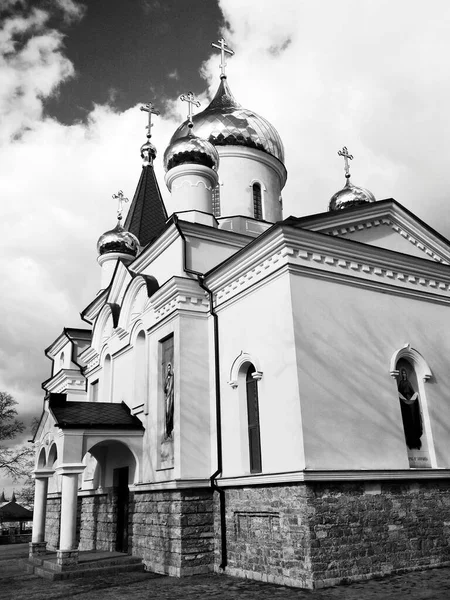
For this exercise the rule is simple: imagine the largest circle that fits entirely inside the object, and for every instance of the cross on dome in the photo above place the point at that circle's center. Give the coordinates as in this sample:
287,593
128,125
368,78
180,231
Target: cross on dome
224,49
192,101
151,110
347,157
121,199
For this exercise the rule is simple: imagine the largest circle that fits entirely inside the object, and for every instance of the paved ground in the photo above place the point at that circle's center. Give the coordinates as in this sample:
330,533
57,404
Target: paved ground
16,585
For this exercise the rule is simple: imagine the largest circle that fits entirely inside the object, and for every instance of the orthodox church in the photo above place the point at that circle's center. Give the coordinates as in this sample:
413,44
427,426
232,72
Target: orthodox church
254,394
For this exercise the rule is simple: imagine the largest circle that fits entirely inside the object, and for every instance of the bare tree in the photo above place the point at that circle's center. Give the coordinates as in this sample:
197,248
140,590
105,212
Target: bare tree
14,462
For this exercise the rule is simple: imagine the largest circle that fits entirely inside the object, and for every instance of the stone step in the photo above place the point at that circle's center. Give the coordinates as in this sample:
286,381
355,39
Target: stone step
92,563
89,571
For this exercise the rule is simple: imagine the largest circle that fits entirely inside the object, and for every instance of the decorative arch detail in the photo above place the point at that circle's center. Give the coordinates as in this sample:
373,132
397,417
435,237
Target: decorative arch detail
241,360
105,324
139,290
418,361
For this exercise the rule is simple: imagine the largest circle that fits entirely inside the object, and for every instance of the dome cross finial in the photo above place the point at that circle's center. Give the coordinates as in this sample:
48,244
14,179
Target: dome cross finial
192,101
347,157
151,110
121,199
224,49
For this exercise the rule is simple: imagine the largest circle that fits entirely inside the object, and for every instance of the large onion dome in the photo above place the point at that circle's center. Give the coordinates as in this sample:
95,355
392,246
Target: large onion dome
190,149
226,123
350,195
118,240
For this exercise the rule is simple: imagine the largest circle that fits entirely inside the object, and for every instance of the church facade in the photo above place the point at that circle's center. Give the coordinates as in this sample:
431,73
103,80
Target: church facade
253,394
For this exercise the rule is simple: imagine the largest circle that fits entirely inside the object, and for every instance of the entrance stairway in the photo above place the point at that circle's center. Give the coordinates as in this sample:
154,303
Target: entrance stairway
90,564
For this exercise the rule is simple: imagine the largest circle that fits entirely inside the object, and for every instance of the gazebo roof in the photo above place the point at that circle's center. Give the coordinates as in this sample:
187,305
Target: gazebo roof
11,511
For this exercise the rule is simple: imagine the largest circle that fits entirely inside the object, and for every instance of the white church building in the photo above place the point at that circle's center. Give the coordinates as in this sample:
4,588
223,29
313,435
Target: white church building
254,393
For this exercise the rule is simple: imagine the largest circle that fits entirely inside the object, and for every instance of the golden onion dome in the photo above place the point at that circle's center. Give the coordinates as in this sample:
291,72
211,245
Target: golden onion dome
118,240
226,123
191,149
350,195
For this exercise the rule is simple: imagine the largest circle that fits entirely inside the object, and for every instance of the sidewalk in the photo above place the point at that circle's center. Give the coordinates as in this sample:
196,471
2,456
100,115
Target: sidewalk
16,585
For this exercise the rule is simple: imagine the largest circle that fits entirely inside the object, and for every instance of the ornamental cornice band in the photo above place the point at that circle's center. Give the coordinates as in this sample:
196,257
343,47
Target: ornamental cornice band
338,231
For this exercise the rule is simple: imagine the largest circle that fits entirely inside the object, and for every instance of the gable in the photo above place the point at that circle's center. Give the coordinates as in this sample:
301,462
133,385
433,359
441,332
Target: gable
389,237
384,224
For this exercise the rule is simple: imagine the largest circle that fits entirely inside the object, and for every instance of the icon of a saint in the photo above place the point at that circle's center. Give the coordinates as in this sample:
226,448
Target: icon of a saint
409,403
169,403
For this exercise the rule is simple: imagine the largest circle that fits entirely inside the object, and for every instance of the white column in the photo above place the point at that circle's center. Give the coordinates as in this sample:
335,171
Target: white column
38,544
67,540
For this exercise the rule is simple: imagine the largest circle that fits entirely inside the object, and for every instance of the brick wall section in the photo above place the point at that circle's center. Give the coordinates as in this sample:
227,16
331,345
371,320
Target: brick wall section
52,521
98,519
173,531
316,534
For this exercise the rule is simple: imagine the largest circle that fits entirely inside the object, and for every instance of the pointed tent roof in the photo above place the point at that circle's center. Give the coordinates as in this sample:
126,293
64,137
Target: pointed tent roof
15,512
147,215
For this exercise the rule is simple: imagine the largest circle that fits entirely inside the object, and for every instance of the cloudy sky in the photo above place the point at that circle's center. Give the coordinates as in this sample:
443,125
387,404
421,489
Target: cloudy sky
373,75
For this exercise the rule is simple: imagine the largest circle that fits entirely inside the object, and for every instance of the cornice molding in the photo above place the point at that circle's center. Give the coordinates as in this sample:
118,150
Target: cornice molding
328,257
66,380
332,475
155,249
174,484
179,293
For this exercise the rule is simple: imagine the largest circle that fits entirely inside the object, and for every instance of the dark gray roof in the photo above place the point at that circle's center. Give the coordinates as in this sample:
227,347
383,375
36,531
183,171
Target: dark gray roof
94,415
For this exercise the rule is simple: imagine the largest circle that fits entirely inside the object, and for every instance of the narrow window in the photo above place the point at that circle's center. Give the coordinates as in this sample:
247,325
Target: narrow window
216,201
253,422
410,404
94,391
257,204
106,382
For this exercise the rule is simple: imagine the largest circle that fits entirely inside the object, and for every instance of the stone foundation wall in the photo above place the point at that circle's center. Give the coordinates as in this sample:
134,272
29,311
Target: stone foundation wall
52,521
316,534
173,531
97,522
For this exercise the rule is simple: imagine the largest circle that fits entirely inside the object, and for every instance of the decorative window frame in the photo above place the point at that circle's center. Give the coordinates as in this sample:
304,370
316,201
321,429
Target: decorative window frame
237,381
237,365
423,374
263,197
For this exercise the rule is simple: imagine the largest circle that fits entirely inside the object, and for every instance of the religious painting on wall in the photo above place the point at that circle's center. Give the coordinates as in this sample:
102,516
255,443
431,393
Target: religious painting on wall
168,396
408,394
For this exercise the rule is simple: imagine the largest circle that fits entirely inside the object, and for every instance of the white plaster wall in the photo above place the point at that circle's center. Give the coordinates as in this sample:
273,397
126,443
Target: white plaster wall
203,255
194,412
345,337
167,264
238,168
122,378
260,324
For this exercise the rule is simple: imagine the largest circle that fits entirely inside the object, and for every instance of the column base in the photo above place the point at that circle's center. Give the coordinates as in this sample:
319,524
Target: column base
67,558
37,549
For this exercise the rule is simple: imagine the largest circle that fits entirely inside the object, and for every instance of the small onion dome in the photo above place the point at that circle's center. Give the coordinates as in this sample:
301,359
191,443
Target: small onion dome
118,240
226,123
148,151
191,150
349,196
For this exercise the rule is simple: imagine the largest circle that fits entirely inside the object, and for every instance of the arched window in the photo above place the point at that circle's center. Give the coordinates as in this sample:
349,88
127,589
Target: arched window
257,202
254,438
411,372
216,201
61,360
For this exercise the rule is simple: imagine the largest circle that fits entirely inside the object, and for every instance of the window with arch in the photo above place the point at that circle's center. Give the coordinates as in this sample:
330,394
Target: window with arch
411,372
257,201
61,360
216,201
254,435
